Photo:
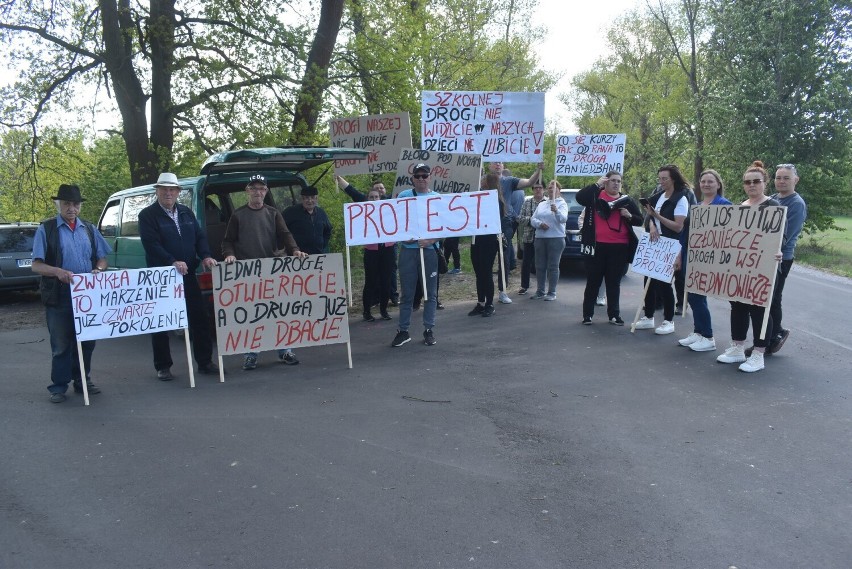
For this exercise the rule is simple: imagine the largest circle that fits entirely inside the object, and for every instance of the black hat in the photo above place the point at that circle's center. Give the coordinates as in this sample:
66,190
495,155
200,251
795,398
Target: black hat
309,191
257,179
421,168
69,193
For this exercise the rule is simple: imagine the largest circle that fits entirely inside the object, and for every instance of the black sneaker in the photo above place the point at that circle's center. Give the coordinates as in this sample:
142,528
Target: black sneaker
428,337
587,320
679,310
400,339
778,341
92,388
616,321
477,310
386,316
440,305
369,317
488,311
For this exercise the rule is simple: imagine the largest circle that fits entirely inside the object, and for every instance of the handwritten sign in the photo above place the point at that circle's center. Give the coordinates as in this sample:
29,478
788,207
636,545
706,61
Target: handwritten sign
127,302
432,217
589,155
502,126
383,135
451,173
280,302
655,259
731,251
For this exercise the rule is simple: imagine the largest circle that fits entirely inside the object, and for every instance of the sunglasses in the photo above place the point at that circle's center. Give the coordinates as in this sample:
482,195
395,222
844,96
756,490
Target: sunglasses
420,176
752,182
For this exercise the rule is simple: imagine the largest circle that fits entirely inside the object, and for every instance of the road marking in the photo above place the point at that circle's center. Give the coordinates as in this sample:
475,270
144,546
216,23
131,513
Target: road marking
829,340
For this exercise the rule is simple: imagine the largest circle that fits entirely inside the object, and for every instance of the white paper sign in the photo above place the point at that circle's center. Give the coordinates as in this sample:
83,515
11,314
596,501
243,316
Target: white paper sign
428,217
280,302
127,302
589,154
383,135
452,173
656,259
502,126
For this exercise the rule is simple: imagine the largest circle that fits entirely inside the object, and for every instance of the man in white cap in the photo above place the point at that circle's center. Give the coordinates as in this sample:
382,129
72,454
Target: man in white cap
171,235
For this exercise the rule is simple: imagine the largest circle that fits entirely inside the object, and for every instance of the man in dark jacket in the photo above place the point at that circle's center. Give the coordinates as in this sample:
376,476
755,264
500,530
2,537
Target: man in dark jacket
309,223
171,235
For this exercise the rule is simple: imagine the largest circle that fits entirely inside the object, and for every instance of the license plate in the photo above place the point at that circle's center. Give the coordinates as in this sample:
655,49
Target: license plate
25,262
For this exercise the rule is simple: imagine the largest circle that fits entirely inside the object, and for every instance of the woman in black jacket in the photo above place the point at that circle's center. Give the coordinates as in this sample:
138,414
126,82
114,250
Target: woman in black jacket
608,241
667,212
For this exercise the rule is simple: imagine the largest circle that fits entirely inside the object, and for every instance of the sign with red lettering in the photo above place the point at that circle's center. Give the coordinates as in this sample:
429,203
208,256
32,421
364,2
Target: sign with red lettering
731,251
589,154
425,217
383,135
451,173
127,302
655,259
280,302
502,126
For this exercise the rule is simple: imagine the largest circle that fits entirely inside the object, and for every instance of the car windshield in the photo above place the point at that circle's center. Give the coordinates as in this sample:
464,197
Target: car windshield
16,239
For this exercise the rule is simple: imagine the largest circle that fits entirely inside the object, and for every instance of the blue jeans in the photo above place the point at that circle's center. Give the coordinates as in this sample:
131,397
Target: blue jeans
65,363
702,323
409,273
548,253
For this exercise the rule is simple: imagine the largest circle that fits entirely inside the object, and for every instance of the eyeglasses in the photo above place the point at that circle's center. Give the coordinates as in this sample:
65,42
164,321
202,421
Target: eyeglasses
257,189
420,176
752,182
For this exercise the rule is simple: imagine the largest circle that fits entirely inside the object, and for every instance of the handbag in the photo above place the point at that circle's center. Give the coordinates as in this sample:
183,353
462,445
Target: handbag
442,262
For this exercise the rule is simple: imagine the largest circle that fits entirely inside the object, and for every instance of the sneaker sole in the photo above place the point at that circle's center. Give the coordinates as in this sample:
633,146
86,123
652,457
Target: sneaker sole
404,342
710,349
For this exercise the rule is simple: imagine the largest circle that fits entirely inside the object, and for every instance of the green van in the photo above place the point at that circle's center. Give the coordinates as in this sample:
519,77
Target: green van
214,195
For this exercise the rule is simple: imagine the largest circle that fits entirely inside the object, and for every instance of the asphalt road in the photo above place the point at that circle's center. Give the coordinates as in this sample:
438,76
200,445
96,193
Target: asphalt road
521,441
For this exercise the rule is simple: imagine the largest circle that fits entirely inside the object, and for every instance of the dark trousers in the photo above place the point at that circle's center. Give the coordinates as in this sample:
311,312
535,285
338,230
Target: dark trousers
658,290
199,332
377,277
451,251
65,362
775,308
482,254
528,264
741,314
607,264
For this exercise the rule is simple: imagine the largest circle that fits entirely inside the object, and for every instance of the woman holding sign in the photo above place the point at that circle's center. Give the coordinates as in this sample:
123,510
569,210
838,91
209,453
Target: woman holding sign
701,339
667,211
754,182
549,223
608,241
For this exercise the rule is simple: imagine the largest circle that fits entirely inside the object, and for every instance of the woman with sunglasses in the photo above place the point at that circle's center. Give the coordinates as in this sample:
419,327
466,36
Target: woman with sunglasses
754,184
701,339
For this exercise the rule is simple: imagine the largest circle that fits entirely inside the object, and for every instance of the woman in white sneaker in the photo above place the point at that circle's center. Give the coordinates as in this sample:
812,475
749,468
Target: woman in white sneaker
701,339
754,182
667,212
549,222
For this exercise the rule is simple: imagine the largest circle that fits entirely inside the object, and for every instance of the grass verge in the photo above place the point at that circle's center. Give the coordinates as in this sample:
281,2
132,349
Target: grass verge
829,251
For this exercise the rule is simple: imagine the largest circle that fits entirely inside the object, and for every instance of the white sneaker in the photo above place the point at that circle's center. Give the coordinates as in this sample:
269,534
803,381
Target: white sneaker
753,363
504,298
703,345
733,355
645,323
601,301
691,339
667,327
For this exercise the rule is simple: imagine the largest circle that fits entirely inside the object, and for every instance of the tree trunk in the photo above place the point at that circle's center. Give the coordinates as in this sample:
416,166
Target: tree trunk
315,81
161,35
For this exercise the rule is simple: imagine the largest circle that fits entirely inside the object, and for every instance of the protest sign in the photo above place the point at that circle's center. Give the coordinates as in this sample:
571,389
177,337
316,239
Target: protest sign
589,155
127,302
432,217
731,251
280,302
452,173
502,126
655,259
383,135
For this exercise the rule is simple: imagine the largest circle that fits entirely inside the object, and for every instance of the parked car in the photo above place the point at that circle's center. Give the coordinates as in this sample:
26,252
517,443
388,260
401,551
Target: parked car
16,256
213,196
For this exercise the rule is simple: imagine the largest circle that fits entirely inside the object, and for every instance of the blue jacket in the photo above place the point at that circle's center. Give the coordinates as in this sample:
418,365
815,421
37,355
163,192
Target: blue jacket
162,242
311,232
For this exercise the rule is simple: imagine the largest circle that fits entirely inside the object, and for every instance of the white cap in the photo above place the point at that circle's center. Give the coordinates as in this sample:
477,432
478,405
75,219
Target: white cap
167,179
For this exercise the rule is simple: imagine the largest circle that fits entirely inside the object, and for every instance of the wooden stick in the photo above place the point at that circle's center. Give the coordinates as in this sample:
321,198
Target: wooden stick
638,310
83,377
423,275
189,358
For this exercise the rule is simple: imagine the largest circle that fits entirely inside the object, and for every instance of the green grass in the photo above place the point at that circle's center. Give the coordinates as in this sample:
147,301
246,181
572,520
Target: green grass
828,250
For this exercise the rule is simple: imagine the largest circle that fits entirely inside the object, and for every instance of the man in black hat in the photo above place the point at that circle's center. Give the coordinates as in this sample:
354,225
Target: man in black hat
65,245
171,235
309,223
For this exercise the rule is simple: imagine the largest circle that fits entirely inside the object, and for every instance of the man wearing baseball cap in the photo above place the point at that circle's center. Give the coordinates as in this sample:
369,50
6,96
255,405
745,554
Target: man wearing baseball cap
409,268
171,235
